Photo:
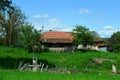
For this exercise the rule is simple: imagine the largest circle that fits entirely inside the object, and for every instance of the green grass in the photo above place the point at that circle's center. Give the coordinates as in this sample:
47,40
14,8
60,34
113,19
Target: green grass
16,75
10,58
13,52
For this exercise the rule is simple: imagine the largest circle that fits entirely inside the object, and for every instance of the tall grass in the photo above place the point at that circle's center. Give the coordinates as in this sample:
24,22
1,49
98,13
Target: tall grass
10,58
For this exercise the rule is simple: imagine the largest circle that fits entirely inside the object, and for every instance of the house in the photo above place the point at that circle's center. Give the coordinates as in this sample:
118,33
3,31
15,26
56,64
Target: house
58,40
98,44
63,41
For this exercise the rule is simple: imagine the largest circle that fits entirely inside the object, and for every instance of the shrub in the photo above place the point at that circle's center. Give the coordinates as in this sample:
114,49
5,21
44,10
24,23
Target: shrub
116,47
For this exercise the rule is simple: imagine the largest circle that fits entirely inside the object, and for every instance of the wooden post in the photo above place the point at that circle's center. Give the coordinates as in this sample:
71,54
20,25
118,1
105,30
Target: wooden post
20,65
42,67
114,69
35,66
46,68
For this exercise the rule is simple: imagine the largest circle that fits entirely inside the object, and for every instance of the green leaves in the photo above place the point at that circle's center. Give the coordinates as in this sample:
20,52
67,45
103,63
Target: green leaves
115,38
30,37
10,21
114,41
82,35
4,4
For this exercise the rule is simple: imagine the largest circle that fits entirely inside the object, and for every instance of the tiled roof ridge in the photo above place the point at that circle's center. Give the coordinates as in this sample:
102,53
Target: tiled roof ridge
58,31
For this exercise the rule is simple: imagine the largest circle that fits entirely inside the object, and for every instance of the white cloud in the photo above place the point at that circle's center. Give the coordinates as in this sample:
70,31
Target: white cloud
37,16
41,16
45,15
66,29
107,31
108,27
84,11
56,24
52,24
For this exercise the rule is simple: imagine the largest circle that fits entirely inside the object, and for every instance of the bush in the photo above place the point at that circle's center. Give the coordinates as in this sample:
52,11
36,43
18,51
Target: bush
2,41
116,47
37,49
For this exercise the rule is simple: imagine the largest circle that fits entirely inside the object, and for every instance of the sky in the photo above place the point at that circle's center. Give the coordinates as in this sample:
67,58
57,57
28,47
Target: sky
102,16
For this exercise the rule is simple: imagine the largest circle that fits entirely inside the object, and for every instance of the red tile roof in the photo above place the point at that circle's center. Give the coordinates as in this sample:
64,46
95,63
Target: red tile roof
65,37
98,40
57,37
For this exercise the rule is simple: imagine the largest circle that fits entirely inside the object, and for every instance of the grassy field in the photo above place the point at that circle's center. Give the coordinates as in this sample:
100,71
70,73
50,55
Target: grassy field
16,75
10,58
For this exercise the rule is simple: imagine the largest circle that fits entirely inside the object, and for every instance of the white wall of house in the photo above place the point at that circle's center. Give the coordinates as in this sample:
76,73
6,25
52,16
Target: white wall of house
102,49
91,47
57,48
62,48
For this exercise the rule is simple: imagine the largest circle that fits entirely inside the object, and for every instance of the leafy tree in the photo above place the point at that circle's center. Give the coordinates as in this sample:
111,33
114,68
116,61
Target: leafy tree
95,34
10,23
114,41
30,37
5,5
82,35
115,38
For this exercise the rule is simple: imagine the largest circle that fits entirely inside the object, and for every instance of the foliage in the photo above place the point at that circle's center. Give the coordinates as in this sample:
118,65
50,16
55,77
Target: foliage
9,23
82,35
116,47
115,38
114,41
5,4
30,38
95,34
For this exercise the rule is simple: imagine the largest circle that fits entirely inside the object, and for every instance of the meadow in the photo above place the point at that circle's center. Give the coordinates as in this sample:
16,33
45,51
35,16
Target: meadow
10,58
17,75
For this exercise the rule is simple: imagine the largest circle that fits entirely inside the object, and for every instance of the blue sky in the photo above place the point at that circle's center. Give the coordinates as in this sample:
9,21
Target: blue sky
102,16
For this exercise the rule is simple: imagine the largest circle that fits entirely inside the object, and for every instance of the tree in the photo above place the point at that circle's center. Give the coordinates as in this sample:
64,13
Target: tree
10,23
114,42
30,37
95,34
115,38
5,4
82,35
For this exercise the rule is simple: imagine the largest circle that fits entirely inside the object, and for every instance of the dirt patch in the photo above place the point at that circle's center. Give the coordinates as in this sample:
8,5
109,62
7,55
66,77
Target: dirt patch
101,60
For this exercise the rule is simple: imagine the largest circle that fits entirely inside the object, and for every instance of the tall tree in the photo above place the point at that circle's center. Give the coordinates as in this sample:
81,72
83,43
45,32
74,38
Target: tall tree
17,18
114,42
82,35
4,4
10,23
115,38
30,37
95,34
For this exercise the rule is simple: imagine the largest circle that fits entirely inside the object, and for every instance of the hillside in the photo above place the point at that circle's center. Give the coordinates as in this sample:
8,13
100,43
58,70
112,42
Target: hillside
94,61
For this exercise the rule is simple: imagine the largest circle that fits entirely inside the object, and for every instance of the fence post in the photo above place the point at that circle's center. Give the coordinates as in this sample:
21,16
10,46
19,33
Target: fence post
114,69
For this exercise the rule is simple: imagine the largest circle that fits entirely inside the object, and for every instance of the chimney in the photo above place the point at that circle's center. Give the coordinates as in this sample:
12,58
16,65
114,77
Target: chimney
50,30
